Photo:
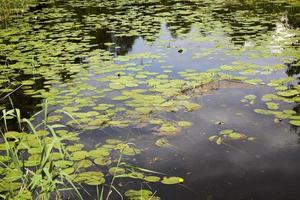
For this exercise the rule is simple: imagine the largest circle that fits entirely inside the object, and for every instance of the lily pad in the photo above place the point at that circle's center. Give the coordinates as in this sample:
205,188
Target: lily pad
163,142
172,180
103,161
295,122
90,178
288,93
184,123
152,178
116,171
168,128
140,195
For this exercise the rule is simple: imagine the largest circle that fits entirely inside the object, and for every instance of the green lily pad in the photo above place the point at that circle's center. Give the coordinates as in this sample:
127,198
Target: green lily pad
288,93
152,178
144,110
134,175
99,152
250,97
83,164
113,141
163,142
103,161
79,155
116,171
272,106
237,136
168,128
75,147
130,151
140,195
184,123
63,163
191,106
90,178
226,132
295,122
172,180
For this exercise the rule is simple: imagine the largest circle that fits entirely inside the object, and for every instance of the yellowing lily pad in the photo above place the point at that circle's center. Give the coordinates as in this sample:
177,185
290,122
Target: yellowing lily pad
168,128
184,123
295,122
116,171
163,142
172,180
152,178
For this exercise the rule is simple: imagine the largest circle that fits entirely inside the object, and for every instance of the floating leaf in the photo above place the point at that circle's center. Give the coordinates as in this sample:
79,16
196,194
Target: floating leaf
250,97
116,171
99,152
272,106
295,122
191,106
288,93
130,151
79,155
152,178
213,138
144,110
237,136
90,178
113,141
219,141
140,195
226,132
163,142
172,180
103,161
63,163
184,123
83,164
168,128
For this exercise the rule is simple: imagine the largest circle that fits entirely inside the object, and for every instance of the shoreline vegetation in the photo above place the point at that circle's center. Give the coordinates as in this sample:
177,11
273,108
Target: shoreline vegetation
8,8
45,161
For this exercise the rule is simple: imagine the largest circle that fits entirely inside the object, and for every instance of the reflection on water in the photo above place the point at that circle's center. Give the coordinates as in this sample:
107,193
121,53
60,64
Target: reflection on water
63,44
239,170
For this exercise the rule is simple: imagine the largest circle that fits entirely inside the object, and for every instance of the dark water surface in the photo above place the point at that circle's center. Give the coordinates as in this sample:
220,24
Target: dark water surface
65,48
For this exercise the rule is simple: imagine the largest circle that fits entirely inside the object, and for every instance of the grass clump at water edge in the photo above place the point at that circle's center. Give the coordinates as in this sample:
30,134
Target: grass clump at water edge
44,161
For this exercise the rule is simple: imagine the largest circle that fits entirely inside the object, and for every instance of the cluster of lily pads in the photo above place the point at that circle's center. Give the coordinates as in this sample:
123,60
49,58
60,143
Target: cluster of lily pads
61,55
101,90
284,93
228,135
66,156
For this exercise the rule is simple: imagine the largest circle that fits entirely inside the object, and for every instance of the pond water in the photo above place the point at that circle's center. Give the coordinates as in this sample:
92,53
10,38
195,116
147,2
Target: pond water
206,90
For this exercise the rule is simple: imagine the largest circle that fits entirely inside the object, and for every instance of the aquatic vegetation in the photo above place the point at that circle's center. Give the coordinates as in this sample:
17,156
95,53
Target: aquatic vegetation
162,142
41,162
146,66
227,135
272,106
172,180
140,194
168,129
249,99
12,7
